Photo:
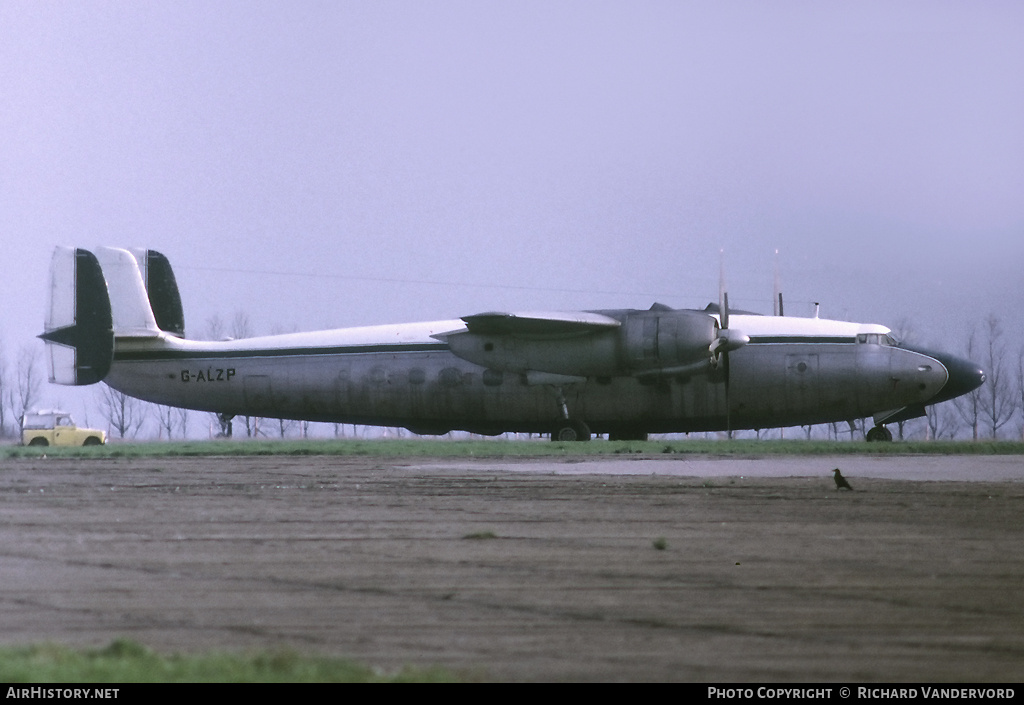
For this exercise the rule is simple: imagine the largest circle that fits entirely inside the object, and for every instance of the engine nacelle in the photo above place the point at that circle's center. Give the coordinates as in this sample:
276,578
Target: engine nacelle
646,342
653,340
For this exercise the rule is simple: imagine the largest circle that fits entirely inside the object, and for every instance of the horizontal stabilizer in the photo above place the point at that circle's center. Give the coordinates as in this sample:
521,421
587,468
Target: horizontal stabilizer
79,326
541,324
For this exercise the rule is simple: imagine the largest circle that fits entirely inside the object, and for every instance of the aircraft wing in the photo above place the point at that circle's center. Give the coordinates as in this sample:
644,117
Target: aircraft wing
539,324
581,344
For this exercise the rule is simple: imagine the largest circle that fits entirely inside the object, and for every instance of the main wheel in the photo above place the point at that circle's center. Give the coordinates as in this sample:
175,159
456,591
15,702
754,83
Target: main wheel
92,441
39,441
879,434
571,430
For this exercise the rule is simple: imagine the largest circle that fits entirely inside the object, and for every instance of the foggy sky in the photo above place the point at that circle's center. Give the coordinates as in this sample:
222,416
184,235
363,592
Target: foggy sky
327,164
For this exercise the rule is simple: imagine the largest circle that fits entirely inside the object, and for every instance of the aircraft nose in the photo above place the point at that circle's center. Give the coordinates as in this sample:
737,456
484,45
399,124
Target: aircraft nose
964,376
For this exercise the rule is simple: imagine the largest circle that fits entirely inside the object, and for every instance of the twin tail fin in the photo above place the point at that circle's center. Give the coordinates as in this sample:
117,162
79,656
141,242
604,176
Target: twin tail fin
98,298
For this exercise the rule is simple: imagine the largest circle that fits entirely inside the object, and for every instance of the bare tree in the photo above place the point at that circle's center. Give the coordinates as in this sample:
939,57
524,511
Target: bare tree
968,406
941,422
182,421
26,393
241,327
284,426
997,400
4,391
124,414
339,431
1020,389
165,420
172,419
215,328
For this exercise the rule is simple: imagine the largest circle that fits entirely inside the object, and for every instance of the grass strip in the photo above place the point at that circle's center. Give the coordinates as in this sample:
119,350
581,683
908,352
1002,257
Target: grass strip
503,448
126,661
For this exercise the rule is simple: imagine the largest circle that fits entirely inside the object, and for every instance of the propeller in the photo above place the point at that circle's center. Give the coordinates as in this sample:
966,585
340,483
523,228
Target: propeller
726,341
777,298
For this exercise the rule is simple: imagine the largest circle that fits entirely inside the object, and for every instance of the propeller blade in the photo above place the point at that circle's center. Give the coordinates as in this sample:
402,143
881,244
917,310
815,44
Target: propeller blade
723,340
727,340
723,296
728,406
777,298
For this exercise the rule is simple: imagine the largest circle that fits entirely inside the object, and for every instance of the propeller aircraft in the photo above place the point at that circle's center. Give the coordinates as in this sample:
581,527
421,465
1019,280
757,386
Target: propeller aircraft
116,316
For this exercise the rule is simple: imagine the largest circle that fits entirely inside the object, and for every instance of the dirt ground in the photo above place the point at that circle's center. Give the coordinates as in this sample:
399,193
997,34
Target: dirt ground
518,571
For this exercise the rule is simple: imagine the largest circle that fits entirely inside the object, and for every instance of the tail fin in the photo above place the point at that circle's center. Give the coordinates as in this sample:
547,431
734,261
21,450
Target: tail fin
79,329
129,302
162,288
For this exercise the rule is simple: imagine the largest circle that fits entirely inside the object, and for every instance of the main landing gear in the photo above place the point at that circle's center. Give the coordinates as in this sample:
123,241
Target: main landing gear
571,430
879,434
225,425
567,429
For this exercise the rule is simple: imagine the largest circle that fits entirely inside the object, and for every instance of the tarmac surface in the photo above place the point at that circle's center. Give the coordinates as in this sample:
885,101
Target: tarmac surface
646,569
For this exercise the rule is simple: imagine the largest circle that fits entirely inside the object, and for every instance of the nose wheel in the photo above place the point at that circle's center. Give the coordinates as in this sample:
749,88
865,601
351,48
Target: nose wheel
879,434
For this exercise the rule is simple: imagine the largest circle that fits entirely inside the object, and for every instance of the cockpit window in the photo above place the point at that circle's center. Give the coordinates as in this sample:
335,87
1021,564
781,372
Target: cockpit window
876,339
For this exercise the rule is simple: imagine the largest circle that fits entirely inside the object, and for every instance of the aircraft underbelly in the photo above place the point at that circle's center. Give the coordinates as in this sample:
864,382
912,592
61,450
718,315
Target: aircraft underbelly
435,391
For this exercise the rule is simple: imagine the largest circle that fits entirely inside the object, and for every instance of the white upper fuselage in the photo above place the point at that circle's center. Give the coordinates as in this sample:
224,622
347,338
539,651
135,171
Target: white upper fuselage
428,332
770,326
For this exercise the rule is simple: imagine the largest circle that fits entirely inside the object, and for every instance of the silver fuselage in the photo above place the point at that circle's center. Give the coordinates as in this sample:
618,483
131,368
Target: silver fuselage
793,372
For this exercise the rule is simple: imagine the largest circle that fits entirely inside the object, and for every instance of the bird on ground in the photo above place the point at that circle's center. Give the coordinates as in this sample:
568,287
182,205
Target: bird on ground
841,483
